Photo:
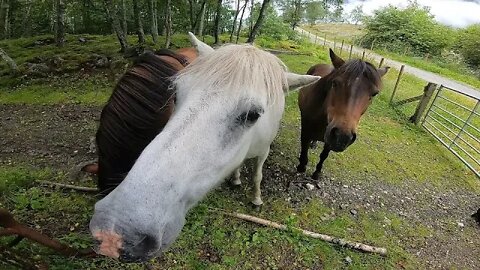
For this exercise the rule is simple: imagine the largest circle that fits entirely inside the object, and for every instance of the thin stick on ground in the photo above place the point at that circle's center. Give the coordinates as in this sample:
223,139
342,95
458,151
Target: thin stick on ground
324,237
67,186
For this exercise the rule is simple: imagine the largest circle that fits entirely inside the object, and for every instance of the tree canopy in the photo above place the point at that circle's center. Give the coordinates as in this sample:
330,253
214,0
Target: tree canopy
413,27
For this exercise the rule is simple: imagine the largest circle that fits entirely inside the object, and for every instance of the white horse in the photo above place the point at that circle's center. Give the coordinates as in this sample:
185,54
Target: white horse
229,105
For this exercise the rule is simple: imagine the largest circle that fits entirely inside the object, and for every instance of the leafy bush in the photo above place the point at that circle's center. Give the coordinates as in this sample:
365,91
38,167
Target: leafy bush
412,27
468,43
273,26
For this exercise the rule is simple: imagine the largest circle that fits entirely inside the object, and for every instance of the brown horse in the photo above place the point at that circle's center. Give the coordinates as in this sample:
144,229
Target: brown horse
331,108
138,109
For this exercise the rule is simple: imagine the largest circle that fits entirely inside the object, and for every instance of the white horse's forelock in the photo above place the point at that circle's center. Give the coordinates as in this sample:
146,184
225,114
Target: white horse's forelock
236,68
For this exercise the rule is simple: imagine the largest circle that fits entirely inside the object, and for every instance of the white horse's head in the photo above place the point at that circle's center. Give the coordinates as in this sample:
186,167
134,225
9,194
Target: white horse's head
229,105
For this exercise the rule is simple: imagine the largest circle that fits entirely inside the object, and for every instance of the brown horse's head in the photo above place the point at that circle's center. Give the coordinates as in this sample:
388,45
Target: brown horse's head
350,89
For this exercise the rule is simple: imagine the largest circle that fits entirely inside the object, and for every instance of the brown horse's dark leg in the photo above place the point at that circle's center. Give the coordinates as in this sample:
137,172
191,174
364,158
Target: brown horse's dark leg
323,156
305,143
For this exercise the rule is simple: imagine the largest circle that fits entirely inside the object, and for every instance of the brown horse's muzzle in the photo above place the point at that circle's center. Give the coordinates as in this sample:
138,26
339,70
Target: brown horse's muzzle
338,139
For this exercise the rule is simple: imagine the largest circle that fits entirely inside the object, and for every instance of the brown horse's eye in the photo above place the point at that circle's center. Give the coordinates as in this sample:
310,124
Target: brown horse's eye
334,84
374,94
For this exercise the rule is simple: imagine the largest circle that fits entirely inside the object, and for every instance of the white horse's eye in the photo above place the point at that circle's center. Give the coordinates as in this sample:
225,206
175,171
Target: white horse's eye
249,117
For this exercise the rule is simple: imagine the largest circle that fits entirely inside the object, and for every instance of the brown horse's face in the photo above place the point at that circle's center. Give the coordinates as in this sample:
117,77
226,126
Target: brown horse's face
348,98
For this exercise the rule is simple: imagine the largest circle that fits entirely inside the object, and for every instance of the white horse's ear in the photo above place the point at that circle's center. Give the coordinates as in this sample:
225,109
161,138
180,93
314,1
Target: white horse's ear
296,81
202,48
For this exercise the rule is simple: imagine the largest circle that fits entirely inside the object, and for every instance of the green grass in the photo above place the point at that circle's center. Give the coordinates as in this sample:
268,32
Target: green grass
337,31
389,150
211,240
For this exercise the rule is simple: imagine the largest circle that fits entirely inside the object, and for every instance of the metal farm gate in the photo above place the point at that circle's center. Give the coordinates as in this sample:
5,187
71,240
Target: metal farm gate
454,119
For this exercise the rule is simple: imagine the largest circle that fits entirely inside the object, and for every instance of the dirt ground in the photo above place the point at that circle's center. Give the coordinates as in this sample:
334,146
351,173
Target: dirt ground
60,136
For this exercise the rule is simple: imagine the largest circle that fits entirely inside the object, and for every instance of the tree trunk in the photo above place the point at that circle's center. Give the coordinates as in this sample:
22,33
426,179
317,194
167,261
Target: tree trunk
168,24
124,18
201,19
138,22
296,14
258,24
217,21
6,20
53,17
86,18
251,19
241,20
191,4
237,10
60,29
112,16
152,6
9,60
26,21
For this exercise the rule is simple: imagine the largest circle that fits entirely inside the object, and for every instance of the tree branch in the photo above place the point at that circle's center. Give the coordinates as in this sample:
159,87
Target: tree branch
13,227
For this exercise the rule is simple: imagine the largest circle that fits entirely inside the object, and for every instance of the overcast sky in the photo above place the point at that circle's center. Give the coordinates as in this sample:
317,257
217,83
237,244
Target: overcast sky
456,13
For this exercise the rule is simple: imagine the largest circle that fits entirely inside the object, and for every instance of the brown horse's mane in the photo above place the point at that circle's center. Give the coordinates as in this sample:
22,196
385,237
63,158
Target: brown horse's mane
138,109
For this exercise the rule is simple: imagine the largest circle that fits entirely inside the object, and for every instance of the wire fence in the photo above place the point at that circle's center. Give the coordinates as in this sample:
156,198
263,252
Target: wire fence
453,118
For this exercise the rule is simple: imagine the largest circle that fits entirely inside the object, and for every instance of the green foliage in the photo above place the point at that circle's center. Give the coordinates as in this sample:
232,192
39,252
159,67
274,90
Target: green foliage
357,15
292,11
413,28
314,11
273,26
469,44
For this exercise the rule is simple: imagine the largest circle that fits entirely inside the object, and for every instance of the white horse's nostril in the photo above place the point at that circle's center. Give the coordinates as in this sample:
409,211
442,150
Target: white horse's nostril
110,243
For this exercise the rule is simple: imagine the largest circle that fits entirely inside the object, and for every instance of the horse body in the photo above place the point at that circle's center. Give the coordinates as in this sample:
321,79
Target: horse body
332,107
138,109
229,105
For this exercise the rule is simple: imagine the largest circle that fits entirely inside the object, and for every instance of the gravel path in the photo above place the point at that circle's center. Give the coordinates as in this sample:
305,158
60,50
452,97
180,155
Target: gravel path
419,73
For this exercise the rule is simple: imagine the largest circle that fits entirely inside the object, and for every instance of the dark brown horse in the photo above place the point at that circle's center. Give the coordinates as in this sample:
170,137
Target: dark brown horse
138,109
332,107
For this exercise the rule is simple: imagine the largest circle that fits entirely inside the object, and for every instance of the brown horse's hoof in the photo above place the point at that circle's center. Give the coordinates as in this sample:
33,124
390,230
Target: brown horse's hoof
301,168
315,175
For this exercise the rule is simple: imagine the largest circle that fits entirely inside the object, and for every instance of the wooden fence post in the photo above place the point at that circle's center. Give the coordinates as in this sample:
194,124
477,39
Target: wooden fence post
334,43
351,49
315,40
381,62
341,48
396,83
422,105
325,41
363,55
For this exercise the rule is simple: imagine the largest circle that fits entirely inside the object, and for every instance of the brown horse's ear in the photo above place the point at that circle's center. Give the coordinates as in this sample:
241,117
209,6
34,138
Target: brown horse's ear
336,61
383,71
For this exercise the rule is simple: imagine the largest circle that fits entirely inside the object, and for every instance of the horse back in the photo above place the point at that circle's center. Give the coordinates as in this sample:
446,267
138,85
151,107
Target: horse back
320,70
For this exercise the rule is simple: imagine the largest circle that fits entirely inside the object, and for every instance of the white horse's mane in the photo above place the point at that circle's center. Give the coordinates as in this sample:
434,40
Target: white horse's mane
233,68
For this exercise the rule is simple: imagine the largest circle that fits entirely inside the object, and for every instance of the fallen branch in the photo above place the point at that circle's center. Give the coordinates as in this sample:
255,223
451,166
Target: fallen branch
78,188
324,237
13,227
13,66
